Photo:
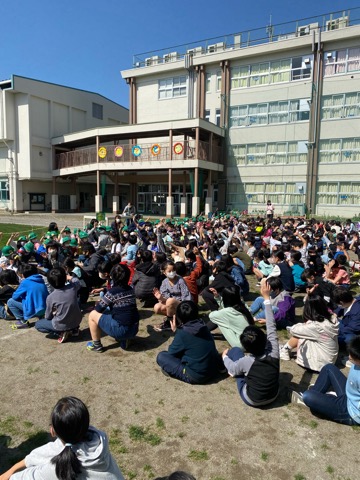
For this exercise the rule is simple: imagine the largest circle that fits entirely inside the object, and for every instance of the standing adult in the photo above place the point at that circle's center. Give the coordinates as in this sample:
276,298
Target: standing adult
269,210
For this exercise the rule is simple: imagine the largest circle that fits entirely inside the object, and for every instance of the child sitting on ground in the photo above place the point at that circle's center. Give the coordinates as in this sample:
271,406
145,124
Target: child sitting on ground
122,322
192,357
316,340
9,282
63,315
343,407
29,300
79,451
257,374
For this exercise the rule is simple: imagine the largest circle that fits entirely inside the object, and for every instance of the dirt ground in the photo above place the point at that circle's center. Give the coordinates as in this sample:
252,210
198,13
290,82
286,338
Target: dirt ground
156,424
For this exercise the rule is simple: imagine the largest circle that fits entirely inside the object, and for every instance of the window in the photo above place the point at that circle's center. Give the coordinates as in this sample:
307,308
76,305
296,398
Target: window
277,71
172,87
344,150
207,115
338,193
268,153
208,83
218,81
4,190
287,111
217,117
97,111
342,61
344,105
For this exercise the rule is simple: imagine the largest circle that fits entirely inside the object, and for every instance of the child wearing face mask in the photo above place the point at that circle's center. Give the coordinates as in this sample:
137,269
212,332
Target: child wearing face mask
173,290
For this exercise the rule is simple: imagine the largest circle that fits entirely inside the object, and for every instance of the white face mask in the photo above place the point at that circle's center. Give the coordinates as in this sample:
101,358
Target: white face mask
118,220
171,275
53,252
102,276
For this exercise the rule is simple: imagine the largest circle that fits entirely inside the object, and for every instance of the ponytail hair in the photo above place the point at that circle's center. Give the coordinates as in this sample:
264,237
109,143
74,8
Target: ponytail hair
70,421
232,298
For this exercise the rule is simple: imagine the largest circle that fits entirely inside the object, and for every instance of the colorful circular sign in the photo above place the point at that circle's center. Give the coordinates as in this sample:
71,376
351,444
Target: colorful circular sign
102,152
155,149
118,151
136,150
178,148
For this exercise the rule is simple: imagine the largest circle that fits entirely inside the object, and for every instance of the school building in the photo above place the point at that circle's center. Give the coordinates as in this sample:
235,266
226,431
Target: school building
33,112
228,123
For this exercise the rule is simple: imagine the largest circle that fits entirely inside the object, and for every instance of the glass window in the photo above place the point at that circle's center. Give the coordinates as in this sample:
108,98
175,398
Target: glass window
172,87
218,81
97,111
208,83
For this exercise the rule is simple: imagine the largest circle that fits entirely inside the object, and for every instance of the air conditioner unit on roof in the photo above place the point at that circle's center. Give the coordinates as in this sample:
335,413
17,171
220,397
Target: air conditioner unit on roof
337,23
217,47
152,61
170,57
195,51
306,29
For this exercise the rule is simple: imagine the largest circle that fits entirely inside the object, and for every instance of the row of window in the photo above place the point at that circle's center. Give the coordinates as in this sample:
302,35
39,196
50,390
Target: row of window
336,150
265,73
341,105
268,153
287,111
260,193
338,193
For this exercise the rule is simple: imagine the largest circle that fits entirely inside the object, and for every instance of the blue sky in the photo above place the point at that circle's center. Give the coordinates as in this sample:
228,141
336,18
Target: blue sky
85,43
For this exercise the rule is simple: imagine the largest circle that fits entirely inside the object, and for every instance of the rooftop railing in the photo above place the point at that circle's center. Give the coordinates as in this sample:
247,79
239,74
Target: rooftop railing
248,38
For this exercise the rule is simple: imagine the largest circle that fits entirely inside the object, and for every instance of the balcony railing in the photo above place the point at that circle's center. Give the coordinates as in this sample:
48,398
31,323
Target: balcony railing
184,151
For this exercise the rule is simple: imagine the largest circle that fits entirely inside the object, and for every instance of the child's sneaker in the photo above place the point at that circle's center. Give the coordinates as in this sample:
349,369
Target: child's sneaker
297,398
64,336
285,353
95,347
164,326
19,324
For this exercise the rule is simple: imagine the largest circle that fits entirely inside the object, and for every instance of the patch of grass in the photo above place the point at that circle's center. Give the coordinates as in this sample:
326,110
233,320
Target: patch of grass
286,415
32,370
141,434
330,469
324,446
299,476
160,423
264,456
234,461
116,443
185,419
161,402
85,380
356,428
136,411
313,424
181,434
28,424
9,426
198,455
149,470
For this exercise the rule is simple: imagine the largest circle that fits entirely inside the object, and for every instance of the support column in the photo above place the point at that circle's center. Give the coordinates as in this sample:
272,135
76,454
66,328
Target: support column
115,200
73,196
98,196
54,198
170,198
196,198
209,198
183,199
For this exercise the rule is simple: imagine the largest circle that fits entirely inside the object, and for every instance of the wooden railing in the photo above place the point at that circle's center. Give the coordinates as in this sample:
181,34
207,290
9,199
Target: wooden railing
89,156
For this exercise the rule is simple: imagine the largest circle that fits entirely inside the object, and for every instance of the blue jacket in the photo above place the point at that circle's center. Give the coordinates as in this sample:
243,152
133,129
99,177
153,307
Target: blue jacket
350,322
32,292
